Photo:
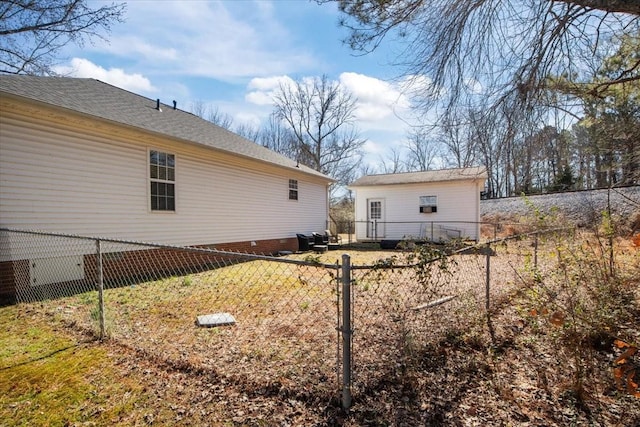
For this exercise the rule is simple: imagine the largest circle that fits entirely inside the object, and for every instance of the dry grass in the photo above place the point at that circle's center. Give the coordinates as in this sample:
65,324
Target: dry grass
277,366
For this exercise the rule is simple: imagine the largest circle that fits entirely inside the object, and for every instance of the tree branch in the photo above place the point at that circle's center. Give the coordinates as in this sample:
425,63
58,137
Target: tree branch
631,7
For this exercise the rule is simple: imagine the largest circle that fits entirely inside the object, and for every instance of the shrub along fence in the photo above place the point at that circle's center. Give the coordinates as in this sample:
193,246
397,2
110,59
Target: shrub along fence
301,324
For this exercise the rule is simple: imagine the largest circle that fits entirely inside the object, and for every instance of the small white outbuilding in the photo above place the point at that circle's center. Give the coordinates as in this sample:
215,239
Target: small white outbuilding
433,205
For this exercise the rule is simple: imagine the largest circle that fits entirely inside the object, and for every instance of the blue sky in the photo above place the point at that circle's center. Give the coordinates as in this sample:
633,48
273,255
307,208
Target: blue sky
232,55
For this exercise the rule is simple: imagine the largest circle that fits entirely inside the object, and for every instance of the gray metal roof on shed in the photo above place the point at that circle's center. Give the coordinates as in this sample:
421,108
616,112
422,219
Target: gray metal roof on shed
104,101
421,177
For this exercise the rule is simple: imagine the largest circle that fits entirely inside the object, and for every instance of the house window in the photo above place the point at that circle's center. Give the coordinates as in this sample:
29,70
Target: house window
293,189
162,177
428,204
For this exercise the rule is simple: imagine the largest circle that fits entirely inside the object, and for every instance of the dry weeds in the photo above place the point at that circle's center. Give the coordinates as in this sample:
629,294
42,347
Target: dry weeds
279,365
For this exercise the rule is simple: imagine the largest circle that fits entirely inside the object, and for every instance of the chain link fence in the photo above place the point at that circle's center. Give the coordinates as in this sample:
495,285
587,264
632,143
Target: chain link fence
305,323
284,309
427,231
416,299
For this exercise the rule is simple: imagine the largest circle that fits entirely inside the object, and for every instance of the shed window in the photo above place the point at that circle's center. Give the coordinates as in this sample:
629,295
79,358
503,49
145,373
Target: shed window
162,177
428,204
293,189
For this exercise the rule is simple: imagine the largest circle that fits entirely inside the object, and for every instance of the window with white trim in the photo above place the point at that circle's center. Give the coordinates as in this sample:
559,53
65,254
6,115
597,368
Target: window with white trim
428,204
162,177
293,189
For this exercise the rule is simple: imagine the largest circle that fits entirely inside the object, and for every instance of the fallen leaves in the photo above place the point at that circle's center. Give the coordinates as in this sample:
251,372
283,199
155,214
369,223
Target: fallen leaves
557,318
625,368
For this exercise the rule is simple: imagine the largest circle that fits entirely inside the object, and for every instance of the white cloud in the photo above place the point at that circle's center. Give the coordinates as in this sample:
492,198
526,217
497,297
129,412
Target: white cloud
373,148
370,89
248,118
376,99
133,45
84,68
222,40
269,83
259,98
263,89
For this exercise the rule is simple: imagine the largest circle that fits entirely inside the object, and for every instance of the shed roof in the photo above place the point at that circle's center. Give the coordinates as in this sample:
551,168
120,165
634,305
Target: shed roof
103,101
422,177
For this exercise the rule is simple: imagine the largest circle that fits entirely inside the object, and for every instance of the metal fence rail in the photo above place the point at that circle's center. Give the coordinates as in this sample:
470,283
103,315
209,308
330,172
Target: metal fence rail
431,231
344,325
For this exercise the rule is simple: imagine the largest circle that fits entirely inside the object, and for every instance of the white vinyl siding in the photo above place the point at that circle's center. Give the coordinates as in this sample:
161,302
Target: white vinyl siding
96,183
456,201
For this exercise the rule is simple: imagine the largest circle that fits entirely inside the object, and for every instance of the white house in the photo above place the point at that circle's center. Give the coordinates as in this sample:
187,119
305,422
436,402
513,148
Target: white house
432,205
79,156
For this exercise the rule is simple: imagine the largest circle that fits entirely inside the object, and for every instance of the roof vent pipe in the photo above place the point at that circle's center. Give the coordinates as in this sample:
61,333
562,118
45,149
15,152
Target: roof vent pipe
158,104
174,104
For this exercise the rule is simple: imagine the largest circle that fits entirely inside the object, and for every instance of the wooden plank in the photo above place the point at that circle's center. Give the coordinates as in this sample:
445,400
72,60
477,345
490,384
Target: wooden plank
434,303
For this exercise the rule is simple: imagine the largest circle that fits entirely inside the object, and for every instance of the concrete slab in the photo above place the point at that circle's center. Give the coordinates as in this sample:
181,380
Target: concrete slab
215,319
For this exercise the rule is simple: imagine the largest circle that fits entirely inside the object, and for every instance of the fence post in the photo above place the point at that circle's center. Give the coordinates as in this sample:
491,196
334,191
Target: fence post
535,253
100,290
488,287
346,331
488,277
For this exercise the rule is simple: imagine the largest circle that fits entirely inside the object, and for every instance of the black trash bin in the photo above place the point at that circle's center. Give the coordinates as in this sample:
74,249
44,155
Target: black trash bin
305,243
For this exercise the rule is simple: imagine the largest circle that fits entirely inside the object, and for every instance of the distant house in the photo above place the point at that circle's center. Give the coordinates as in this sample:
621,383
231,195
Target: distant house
83,157
432,205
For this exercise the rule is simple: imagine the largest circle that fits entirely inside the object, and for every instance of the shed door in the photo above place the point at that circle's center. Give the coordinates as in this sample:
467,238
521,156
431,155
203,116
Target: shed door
375,218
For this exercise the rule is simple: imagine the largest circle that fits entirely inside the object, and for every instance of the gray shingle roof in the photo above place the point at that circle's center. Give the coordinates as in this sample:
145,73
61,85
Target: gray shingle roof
421,177
103,101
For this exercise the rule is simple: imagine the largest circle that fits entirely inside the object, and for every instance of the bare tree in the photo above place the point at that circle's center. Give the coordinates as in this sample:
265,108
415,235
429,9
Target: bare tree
320,114
249,132
199,108
489,68
490,131
539,159
460,149
422,150
393,162
279,138
211,114
491,52
219,118
32,32
364,169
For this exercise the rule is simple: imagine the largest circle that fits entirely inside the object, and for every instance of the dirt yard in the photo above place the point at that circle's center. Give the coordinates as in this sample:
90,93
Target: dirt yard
531,362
